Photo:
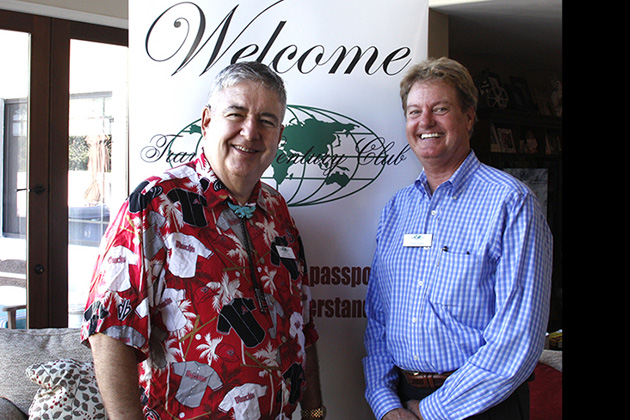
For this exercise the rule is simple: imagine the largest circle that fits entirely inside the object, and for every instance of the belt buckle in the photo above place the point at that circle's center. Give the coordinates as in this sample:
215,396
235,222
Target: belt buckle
424,380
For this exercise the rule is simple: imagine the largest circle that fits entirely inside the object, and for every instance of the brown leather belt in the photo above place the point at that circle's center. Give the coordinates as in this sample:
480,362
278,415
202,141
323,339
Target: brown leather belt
424,380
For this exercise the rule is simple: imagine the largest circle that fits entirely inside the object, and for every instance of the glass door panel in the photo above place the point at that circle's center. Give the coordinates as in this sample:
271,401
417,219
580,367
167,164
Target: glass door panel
97,170
14,98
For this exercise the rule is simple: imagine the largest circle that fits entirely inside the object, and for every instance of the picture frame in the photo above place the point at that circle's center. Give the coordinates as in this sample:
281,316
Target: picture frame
542,100
553,142
537,179
506,140
520,95
532,140
495,145
491,93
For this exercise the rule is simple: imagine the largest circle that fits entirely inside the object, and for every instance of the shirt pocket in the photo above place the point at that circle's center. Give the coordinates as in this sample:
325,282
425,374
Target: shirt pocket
457,280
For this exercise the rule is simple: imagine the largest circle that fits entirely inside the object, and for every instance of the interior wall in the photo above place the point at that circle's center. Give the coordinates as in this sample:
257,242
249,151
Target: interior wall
438,34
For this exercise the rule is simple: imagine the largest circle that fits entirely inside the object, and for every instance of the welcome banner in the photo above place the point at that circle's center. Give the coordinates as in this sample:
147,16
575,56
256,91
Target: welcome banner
343,152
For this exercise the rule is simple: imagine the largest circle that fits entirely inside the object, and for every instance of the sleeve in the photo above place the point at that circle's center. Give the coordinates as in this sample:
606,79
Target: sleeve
515,335
380,375
130,260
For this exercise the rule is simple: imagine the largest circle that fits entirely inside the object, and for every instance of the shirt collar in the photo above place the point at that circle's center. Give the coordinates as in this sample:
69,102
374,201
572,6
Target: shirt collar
217,193
457,180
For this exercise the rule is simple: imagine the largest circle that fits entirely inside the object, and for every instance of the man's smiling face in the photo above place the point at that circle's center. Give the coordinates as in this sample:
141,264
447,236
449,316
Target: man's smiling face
438,129
242,130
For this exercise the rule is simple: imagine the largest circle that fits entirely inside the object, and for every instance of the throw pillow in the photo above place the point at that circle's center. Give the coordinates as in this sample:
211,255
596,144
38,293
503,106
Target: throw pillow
68,391
545,393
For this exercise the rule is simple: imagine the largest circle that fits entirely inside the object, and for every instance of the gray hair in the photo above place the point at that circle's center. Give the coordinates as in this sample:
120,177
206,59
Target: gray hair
252,71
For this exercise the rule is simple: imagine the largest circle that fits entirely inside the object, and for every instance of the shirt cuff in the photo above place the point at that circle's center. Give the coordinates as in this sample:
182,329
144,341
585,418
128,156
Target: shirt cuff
431,408
384,402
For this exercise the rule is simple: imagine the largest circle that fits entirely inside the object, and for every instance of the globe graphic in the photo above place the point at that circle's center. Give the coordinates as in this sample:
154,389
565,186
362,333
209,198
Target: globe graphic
323,156
319,157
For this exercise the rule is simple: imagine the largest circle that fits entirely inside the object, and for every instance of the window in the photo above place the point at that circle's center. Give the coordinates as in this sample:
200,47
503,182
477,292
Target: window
63,113
97,150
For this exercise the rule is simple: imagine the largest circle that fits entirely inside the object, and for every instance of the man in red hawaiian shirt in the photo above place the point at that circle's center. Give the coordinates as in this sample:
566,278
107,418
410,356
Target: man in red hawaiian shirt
199,298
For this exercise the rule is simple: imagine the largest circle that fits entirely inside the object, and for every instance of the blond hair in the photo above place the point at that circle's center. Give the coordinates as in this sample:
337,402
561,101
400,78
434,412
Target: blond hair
441,69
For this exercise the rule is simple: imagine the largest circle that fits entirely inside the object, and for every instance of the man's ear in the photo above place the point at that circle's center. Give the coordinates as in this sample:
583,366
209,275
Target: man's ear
206,116
280,135
470,119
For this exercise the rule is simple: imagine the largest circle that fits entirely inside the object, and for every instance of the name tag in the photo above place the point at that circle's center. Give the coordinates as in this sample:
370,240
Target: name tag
418,240
285,252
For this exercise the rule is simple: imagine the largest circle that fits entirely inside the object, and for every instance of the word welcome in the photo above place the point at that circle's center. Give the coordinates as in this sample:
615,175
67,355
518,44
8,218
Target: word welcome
282,58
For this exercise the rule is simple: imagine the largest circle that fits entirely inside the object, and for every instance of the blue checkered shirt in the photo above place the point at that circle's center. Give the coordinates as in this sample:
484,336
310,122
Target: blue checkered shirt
476,301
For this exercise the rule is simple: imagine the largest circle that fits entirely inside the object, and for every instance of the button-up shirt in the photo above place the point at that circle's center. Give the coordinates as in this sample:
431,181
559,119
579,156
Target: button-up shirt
466,290
177,279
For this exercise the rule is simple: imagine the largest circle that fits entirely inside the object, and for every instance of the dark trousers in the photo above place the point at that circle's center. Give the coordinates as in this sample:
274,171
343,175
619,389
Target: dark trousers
515,407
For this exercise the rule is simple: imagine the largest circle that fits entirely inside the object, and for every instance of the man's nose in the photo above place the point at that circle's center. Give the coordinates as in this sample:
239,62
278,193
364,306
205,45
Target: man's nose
427,119
249,128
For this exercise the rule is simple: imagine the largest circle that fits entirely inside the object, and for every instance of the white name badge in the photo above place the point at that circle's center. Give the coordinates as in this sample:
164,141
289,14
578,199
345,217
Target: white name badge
418,240
285,252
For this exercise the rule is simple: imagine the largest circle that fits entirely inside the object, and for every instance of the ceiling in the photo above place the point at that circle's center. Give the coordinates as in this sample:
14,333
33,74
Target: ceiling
523,34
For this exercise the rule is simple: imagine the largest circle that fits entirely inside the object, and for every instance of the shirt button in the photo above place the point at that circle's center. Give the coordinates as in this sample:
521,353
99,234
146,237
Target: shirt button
414,319
415,357
420,283
433,212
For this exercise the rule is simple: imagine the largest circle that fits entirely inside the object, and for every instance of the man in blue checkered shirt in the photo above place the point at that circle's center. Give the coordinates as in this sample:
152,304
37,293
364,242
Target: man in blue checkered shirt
458,298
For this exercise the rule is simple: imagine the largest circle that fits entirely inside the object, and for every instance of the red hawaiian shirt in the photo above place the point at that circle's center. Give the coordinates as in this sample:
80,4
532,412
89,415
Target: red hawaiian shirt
216,304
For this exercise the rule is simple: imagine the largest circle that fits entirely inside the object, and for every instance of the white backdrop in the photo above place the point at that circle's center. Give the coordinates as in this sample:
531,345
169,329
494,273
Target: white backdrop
345,151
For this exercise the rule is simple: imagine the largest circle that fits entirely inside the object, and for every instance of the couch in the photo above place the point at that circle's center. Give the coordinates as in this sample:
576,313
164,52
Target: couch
48,371
51,372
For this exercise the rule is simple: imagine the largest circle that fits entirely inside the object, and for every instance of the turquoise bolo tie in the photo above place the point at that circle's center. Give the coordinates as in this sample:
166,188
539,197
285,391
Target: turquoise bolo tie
244,212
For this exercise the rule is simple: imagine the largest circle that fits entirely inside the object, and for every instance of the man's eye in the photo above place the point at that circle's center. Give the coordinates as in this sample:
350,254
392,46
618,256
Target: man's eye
440,111
268,123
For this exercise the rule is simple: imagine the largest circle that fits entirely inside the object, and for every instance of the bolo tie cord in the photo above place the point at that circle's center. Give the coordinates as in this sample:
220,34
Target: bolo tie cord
246,212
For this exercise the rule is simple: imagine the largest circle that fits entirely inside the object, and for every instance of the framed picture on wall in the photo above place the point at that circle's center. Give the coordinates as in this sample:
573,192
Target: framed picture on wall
537,179
543,175
506,140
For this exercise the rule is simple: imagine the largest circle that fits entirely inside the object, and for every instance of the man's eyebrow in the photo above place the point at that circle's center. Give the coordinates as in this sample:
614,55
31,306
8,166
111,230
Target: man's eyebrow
244,109
271,115
431,104
235,108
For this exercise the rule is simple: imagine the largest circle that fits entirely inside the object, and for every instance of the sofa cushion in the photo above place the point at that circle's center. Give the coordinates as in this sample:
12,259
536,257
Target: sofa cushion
68,391
20,349
8,411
